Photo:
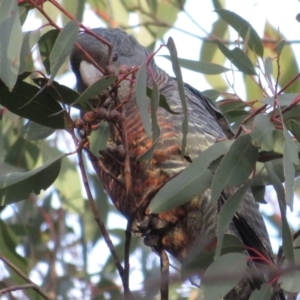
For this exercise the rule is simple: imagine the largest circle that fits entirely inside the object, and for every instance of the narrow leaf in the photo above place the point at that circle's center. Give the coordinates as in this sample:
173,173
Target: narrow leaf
289,281
28,102
162,102
202,67
17,186
279,46
63,47
95,89
33,131
29,40
242,27
191,182
287,239
283,99
223,274
238,58
61,93
227,212
290,158
141,97
213,95
264,293
99,138
154,107
46,43
262,132
236,166
10,42
176,69
294,127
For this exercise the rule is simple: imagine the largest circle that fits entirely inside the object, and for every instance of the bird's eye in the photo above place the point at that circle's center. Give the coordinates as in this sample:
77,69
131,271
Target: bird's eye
115,57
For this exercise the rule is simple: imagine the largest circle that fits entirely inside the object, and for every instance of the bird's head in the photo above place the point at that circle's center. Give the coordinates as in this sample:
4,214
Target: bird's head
126,51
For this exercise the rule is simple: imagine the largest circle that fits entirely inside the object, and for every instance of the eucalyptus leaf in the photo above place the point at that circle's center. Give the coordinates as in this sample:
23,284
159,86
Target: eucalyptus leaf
238,58
191,182
236,166
18,186
10,42
62,47
176,69
141,97
223,275
242,27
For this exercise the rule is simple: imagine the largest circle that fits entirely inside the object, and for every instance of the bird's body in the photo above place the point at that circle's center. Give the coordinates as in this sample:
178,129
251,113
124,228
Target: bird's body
193,224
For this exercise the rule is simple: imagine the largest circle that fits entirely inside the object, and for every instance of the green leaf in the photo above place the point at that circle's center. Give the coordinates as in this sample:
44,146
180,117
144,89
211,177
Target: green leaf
290,158
200,66
238,58
141,97
294,127
33,131
191,182
223,274
228,106
262,132
258,193
147,156
242,27
287,239
236,166
18,186
279,46
68,184
289,281
62,47
268,67
23,12
283,99
227,212
74,8
95,89
154,107
99,138
213,95
22,154
176,69
288,64
162,102
29,40
10,41
46,43
61,93
264,293
29,102
8,245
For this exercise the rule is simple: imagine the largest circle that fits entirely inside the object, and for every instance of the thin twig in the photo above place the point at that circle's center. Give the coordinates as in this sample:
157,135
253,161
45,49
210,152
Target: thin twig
98,218
14,288
127,293
25,277
164,269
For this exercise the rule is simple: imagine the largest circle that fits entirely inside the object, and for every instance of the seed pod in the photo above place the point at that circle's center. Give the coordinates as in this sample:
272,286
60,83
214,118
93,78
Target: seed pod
113,116
104,95
110,70
100,113
124,69
79,123
89,117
